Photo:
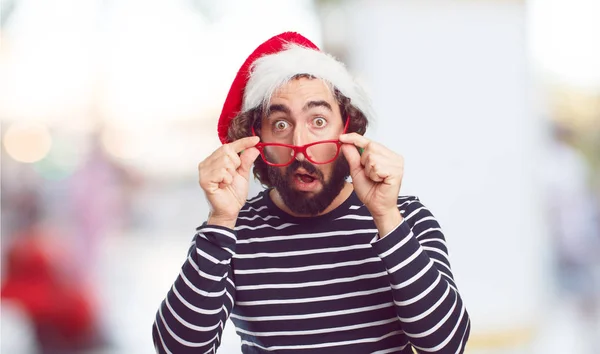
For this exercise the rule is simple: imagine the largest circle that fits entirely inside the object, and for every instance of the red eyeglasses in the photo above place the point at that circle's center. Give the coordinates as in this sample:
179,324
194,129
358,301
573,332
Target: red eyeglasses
319,152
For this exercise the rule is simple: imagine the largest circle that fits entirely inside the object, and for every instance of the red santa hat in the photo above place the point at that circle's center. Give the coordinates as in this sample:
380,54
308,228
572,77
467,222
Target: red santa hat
274,63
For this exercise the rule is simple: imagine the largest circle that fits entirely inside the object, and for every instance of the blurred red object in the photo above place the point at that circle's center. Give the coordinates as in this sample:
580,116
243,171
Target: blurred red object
61,308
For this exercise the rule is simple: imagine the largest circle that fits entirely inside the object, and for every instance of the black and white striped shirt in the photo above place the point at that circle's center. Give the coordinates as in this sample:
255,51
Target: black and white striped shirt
323,284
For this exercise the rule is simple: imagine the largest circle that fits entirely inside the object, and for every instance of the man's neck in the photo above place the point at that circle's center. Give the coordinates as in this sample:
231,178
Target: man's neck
337,201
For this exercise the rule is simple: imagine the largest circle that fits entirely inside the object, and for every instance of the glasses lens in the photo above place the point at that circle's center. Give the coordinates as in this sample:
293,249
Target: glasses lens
322,152
278,155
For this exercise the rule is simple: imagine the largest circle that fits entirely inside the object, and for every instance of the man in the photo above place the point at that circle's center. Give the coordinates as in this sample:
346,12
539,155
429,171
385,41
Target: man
313,264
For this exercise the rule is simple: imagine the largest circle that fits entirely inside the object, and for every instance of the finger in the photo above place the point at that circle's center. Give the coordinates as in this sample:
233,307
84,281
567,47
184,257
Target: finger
243,143
221,178
226,161
368,166
352,156
233,159
209,170
374,175
355,139
374,167
247,158
231,169
367,161
373,150
215,180
226,181
226,178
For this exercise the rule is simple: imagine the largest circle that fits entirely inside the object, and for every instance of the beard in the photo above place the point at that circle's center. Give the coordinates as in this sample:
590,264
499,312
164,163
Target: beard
300,202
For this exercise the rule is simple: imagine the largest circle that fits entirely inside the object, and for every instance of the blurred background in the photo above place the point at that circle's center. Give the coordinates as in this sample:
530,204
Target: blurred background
107,107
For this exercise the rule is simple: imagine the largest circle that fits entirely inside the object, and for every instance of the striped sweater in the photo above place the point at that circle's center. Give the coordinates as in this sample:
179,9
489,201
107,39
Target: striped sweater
323,284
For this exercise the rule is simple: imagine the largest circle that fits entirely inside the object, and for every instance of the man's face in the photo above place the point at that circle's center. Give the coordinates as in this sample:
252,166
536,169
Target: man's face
304,111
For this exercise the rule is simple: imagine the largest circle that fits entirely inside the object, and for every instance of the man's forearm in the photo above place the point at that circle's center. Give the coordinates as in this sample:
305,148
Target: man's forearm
194,312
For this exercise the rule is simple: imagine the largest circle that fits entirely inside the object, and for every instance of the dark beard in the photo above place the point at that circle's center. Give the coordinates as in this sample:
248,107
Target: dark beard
300,202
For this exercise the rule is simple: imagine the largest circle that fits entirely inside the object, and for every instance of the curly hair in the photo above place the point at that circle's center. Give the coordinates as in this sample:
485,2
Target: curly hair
241,127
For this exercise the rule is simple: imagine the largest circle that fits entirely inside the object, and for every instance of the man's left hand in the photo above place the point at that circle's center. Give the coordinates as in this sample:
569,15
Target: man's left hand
377,176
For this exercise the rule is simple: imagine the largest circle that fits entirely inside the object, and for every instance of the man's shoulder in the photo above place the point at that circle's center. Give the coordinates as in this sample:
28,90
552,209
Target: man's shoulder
258,214
415,212
408,204
408,200
255,203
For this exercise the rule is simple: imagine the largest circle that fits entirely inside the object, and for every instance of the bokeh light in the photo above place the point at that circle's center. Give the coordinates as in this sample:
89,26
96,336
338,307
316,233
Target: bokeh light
27,142
124,143
64,158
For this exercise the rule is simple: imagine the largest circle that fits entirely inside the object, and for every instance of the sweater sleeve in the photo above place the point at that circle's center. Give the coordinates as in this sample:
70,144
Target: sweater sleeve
192,316
427,300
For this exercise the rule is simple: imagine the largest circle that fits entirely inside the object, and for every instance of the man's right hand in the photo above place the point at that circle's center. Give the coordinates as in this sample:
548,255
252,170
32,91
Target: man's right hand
224,177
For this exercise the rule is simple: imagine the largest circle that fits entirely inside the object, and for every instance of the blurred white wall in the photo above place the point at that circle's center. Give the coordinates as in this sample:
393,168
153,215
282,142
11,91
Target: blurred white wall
450,83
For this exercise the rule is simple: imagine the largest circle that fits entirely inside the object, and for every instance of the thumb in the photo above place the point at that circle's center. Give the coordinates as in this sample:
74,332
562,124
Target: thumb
247,158
353,158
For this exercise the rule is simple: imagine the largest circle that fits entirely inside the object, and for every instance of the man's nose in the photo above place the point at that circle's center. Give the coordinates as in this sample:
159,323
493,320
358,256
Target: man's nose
300,139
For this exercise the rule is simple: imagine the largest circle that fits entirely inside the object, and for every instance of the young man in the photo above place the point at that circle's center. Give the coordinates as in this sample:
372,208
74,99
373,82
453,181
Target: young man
313,264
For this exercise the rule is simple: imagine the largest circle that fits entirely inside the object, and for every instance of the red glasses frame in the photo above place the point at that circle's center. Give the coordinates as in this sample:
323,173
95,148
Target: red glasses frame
299,149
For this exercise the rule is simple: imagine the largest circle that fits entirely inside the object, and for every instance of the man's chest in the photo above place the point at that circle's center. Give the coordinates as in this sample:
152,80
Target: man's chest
307,282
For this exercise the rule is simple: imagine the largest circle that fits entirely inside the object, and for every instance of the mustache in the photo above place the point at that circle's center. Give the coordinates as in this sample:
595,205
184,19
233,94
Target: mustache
310,168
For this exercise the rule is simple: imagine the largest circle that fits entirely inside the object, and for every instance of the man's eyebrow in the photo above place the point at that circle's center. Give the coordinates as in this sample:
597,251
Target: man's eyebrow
278,108
312,104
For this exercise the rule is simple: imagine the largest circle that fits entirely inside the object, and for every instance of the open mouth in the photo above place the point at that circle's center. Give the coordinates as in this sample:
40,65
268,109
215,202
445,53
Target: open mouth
305,178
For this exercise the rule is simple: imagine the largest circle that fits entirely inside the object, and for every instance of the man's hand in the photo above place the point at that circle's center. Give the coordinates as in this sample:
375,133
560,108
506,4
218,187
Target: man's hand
377,177
224,177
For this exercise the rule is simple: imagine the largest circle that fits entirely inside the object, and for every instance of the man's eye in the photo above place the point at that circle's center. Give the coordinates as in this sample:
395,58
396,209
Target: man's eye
281,125
319,122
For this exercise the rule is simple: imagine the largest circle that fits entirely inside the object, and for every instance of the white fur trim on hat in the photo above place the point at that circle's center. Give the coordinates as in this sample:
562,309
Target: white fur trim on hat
270,72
